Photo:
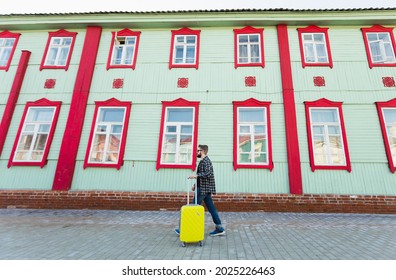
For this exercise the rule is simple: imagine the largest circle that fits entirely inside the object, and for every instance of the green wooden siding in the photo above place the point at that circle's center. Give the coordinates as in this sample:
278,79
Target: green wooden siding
216,84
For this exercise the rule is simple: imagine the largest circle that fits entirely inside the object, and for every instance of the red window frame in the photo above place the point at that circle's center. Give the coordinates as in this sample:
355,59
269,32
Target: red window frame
184,32
8,34
59,33
174,104
123,33
380,106
375,29
248,30
314,29
252,103
39,103
103,104
323,104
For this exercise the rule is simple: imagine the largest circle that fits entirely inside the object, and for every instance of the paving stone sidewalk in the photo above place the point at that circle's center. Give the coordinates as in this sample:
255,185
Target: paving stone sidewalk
29,234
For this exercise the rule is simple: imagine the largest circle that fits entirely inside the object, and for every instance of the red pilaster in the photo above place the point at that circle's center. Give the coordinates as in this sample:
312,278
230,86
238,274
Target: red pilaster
13,97
71,139
293,152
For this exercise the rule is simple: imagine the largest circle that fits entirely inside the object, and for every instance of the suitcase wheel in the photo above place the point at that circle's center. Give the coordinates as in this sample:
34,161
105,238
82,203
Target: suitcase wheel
200,243
183,244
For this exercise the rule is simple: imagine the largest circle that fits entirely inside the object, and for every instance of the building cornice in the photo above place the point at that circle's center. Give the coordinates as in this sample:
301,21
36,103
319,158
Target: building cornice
200,18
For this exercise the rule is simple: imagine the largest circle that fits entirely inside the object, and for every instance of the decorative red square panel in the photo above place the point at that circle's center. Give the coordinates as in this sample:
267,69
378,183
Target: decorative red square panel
118,83
319,81
182,83
388,81
250,81
50,83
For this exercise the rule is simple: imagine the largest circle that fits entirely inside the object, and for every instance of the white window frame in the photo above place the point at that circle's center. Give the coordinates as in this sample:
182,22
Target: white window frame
120,42
35,132
382,43
58,48
252,134
326,136
108,125
249,44
178,134
184,45
315,46
6,50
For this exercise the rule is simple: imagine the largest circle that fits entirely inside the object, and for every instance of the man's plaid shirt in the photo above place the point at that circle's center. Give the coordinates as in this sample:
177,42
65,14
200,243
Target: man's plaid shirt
206,179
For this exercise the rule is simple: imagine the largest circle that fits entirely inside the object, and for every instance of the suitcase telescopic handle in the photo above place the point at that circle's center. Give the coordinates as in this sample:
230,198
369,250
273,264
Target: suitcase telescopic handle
188,191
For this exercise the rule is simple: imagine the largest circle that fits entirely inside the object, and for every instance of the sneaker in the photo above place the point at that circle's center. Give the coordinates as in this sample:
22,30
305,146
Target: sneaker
217,232
177,231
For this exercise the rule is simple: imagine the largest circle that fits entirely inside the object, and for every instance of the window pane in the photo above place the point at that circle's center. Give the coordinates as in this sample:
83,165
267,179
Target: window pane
63,56
169,144
384,37
324,115
318,37
111,114
186,129
190,56
180,39
116,129
180,115
254,38
40,115
243,38
254,51
251,115
171,128
307,37
190,39
259,129
5,56
309,52
372,36
245,143
244,129
318,129
44,128
334,129
129,55
390,115
41,139
51,56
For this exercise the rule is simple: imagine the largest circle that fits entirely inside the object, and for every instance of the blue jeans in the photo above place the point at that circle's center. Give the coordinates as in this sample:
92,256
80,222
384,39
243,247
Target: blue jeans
207,198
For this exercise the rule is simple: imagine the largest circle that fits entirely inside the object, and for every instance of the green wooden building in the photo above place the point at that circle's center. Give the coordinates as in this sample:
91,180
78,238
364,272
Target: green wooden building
106,109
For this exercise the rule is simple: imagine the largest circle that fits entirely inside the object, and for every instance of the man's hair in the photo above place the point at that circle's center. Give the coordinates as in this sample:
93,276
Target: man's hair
205,148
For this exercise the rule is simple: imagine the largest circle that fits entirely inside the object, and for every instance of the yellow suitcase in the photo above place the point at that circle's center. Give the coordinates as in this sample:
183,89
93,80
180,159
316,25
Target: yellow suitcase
192,223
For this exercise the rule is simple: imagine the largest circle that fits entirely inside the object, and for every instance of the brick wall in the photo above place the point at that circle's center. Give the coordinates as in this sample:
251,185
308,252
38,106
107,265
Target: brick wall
173,201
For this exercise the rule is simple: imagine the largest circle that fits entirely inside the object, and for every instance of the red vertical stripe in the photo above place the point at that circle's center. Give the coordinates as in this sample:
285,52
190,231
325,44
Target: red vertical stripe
13,98
71,139
293,152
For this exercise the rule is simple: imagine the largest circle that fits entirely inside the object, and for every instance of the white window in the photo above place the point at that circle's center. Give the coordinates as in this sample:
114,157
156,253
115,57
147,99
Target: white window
58,51
34,134
315,50
249,48
6,47
381,49
390,125
327,137
252,136
124,50
106,140
185,47
178,136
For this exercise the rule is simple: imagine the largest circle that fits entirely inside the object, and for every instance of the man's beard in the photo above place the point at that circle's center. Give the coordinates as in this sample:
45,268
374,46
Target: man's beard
199,156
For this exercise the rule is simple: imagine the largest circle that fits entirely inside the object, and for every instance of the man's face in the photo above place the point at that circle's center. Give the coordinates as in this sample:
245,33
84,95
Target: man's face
199,153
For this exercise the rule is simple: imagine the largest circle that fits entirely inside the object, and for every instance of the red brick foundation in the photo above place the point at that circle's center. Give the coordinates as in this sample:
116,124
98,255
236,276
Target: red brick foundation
240,202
